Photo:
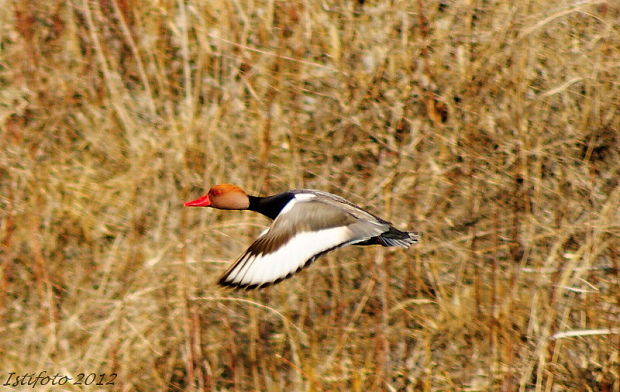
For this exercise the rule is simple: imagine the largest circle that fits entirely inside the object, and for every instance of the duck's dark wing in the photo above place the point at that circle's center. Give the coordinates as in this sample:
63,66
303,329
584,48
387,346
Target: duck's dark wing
304,230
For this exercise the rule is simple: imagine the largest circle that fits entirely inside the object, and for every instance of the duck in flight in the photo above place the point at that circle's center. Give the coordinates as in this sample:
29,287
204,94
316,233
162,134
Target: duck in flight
306,224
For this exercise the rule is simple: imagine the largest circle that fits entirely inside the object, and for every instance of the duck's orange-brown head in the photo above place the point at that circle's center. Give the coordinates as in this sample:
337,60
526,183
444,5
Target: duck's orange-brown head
224,197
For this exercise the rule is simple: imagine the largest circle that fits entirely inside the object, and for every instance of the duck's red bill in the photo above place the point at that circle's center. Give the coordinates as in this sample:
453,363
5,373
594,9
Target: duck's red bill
200,202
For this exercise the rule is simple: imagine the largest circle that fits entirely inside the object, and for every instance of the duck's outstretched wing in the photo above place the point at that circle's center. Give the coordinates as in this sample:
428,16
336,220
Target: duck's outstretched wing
304,230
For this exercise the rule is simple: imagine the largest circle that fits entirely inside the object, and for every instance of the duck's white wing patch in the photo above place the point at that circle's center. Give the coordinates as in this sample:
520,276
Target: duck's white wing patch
259,269
299,235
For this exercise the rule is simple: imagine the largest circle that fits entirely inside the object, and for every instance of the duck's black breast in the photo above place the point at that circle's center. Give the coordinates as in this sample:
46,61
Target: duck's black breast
270,206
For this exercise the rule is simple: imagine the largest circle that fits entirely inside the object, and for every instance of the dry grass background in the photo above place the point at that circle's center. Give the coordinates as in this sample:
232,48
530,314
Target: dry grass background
492,127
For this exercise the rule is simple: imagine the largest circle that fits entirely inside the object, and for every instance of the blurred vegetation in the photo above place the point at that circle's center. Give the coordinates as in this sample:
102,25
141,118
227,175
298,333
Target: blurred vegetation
492,127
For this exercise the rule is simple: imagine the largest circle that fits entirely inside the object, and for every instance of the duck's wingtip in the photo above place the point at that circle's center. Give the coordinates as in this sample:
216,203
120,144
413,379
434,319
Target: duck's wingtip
224,282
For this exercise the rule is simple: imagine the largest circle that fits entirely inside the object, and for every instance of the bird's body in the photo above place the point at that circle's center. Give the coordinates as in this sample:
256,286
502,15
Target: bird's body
306,224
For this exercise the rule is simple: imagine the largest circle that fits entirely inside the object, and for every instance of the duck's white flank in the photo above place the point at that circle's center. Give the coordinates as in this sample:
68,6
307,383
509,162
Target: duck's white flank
296,199
261,269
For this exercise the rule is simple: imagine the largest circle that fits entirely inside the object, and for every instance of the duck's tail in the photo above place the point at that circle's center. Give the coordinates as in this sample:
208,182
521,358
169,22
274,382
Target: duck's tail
395,237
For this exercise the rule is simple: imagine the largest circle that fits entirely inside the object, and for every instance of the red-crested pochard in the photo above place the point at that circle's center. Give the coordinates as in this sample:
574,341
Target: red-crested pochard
306,224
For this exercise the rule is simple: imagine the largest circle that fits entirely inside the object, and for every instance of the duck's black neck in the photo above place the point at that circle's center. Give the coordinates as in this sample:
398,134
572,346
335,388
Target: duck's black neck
270,206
